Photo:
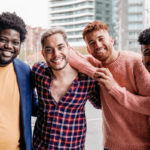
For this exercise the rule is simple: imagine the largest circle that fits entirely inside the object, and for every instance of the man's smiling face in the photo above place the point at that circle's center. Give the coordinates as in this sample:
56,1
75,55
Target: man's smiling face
146,56
99,44
9,46
55,51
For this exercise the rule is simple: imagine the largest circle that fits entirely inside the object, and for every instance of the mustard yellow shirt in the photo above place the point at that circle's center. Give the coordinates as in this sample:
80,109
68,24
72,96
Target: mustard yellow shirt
9,109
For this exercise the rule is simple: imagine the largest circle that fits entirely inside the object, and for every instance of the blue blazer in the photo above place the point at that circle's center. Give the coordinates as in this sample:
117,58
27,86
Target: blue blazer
29,102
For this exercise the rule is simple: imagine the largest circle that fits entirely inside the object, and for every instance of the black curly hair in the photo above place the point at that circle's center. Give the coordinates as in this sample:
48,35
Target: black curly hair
144,37
12,21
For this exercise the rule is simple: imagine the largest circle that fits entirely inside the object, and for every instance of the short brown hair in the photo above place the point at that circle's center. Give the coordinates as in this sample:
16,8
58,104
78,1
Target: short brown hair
54,30
95,25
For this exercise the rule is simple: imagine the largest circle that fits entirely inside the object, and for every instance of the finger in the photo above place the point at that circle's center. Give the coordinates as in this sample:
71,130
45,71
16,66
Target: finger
101,75
103,70
102,81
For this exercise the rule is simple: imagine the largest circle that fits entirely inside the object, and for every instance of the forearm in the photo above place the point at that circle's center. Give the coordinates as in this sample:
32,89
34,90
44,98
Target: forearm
81,63
137,103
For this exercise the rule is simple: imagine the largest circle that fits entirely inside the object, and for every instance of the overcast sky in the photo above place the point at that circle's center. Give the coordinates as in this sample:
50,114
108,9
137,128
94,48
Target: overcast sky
33,12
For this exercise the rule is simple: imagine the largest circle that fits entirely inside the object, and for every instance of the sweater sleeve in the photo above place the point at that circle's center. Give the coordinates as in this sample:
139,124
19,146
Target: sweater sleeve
141,102
84,63
137,103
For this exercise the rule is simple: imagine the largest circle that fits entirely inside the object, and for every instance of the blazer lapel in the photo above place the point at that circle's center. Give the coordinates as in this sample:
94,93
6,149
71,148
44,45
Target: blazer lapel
21,83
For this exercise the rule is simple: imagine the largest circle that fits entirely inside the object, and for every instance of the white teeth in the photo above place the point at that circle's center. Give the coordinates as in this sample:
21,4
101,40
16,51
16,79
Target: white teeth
59,60
7,53
100,51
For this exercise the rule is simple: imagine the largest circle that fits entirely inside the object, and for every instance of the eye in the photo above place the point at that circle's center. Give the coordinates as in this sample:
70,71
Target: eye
61,47
100,39
2,40
16,43
49,50
147,53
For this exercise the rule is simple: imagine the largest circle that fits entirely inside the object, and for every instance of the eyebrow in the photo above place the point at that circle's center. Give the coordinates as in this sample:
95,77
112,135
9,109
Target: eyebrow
60,44
48,47
147,49
57,45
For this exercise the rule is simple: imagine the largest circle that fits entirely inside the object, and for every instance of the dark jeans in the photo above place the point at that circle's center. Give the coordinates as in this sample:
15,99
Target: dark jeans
105,149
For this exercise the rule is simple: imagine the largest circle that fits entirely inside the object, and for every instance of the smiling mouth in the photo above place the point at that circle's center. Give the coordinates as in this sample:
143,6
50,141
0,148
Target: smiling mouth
7,54
57,60
100,51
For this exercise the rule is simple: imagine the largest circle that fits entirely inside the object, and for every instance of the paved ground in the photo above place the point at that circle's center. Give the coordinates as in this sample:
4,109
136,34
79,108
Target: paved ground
94,128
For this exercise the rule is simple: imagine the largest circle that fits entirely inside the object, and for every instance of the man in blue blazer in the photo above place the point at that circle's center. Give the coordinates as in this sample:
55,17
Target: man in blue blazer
18,100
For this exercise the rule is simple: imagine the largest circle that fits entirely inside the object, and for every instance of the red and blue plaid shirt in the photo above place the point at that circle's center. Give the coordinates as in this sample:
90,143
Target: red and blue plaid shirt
62,125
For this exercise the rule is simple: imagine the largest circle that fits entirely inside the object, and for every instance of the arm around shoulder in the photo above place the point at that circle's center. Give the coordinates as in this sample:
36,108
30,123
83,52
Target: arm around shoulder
85,64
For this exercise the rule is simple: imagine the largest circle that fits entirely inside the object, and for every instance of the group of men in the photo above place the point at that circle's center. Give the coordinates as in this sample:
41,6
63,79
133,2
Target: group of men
117,82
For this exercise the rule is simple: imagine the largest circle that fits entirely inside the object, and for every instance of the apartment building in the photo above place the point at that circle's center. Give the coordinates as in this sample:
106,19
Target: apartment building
33,38
74,15
130,22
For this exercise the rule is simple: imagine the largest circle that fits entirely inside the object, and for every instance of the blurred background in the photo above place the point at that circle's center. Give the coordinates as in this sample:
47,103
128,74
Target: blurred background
125,19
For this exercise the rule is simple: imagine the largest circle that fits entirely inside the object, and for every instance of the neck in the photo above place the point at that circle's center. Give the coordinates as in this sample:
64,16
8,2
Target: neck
113,57
65,73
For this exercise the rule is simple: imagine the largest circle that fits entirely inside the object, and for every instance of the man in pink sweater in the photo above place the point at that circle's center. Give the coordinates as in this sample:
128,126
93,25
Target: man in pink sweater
124,92
144,41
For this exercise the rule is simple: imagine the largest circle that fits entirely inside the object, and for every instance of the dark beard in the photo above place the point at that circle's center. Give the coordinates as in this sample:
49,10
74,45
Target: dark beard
6,62
67,60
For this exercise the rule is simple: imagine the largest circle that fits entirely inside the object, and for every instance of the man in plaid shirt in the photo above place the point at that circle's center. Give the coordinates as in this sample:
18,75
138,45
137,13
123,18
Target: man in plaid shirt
62,93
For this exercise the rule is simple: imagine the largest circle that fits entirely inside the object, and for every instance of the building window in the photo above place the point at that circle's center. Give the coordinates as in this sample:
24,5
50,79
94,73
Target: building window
80,25
70,33
73,19
135,26
107,12
135,1
76,40
75,26
133,44
98,11
135,18
107,5
133,35
98,18
107,19
56,2
132,9
72,6
69,27
99,3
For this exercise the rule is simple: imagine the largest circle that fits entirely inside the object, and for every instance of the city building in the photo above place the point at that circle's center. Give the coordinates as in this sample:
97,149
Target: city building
147,13
33,38
32,44
74,15
129,23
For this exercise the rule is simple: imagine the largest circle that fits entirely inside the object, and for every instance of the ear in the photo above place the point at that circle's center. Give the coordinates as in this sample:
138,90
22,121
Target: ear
142,60
42,53
88,50
111,40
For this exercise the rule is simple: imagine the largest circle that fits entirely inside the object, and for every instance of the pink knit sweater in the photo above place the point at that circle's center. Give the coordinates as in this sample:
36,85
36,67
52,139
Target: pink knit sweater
125,108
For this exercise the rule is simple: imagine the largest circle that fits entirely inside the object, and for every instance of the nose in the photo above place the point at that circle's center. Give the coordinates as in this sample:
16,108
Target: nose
8,45
56,53
98,44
